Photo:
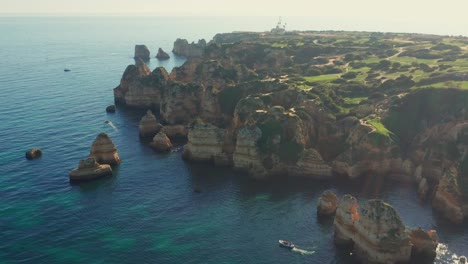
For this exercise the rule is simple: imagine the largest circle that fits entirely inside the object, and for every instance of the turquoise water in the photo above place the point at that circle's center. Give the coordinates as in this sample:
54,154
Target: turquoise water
148,212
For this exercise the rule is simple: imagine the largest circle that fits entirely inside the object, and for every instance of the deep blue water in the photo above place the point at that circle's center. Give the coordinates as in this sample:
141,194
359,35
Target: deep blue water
148,212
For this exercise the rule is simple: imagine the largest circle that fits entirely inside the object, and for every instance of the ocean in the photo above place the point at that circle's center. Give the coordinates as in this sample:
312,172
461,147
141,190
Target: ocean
148,211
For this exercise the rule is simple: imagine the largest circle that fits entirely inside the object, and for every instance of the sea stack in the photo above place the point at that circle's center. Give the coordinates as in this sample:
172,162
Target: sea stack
89,169
33,153
162,55
161,142
149,125
142,52
104,151
327,203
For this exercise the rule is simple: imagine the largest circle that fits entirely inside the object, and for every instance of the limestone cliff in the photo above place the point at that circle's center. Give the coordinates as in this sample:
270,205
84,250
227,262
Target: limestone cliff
205,143
104,151
189,50
141,88
246,155
375,230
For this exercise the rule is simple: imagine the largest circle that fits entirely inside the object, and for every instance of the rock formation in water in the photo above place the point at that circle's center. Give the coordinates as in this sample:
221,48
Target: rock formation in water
110,109
374,229
189,50
89,169
327,204
104,151
424,245
161,142
141,88
142,52
149,125
162,55
33,153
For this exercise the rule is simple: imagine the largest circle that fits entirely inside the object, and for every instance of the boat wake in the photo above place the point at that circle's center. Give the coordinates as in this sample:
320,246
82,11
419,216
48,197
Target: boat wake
111,125
302,251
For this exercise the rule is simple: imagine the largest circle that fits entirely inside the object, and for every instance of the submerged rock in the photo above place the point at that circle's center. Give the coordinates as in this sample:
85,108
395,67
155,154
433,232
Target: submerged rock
161,142
149,125
162,55
33,153
104,151
142,52
89,169
327,203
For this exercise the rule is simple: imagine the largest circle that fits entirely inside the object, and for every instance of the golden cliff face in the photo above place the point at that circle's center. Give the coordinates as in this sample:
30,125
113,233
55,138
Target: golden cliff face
104,151
374,229
205,143
246,155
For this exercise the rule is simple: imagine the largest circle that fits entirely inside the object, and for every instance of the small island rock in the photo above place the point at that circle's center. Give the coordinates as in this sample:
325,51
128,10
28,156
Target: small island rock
142,52
110,109
33,153
149,125
161,142
89,169
327,203
162,55
104,151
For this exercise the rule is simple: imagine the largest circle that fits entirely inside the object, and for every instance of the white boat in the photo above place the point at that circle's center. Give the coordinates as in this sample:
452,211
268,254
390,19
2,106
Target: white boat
286,244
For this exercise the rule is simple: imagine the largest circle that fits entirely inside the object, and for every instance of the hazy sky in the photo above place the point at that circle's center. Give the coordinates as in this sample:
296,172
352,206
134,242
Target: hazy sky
416,10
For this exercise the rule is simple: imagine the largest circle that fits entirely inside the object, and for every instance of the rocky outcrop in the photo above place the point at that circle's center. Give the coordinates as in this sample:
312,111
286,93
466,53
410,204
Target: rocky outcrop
104,151
205,143
162,55
149,125
142,52
246,156
33,154
110,109
424,245
161,142
375,230
312,165
327,204
141,88
189,50
447,199
89,169
175,131
368,150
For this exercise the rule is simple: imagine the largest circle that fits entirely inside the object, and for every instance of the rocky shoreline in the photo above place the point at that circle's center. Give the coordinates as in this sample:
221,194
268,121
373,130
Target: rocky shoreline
236,108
